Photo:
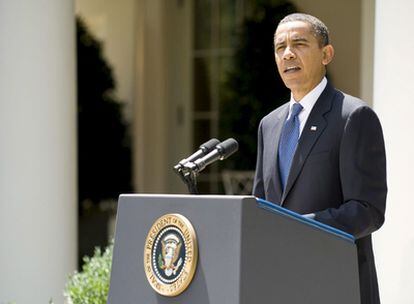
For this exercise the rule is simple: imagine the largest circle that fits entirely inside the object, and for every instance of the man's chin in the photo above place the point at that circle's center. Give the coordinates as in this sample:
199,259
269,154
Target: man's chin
292,84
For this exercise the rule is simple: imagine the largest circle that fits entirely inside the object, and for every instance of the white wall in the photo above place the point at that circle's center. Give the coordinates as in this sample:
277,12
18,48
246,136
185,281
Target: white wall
367,50
394,103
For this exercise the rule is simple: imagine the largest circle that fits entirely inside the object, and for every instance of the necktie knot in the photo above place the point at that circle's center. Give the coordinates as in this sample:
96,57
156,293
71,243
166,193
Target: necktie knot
296,108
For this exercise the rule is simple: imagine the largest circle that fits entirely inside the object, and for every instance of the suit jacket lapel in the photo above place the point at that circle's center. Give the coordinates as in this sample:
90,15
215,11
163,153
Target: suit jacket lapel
309,137
275,187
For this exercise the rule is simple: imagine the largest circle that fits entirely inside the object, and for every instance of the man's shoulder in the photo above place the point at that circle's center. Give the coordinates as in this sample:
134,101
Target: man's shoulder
351,104
276,114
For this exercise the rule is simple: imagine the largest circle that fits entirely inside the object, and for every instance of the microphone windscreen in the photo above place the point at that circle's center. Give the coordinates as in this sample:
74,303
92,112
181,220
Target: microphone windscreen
227,148
209,145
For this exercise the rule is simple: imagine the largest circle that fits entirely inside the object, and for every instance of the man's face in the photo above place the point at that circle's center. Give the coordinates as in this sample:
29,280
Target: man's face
300,59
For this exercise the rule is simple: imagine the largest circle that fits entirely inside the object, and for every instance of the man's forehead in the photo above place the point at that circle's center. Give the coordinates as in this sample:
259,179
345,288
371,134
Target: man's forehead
293,29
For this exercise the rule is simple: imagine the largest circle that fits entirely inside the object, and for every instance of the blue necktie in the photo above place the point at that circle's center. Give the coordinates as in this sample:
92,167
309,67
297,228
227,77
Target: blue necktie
288,142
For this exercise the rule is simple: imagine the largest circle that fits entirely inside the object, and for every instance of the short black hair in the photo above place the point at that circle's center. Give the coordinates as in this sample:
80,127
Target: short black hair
318,27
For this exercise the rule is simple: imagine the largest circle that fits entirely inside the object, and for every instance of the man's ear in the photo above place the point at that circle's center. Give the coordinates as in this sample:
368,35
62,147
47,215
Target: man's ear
328,54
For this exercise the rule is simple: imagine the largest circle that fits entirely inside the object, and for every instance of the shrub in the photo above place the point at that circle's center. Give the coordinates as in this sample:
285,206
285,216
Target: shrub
91,285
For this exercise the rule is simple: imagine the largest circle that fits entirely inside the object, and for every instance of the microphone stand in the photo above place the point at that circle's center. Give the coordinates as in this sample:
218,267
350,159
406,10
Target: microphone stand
189,177
191,182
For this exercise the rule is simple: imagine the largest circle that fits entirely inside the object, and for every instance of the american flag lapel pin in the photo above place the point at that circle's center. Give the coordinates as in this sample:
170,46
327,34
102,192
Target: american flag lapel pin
313,128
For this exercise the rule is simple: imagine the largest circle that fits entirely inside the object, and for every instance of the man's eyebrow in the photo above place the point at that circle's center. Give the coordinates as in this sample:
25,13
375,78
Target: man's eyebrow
300,39
282,41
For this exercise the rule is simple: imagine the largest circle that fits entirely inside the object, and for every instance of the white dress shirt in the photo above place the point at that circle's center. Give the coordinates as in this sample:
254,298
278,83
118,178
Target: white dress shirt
307,102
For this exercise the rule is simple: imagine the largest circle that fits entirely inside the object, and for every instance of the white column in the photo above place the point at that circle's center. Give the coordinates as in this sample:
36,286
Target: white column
394,103
38,207
150,109
162,111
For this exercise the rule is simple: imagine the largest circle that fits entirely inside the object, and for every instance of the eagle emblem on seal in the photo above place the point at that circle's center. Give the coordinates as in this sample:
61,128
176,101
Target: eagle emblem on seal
167,259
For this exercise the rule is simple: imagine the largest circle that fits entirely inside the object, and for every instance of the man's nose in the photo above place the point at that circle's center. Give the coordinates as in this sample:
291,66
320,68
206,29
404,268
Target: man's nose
288,54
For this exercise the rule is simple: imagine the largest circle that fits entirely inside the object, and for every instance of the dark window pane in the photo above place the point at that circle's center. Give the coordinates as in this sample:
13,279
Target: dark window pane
201,132
225,66
202,24
202,86
227,23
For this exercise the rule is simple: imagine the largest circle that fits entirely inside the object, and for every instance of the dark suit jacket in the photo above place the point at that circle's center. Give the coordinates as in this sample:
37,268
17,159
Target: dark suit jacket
338,172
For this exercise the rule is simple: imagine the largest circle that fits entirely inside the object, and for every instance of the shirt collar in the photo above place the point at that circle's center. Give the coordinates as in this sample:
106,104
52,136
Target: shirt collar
309,100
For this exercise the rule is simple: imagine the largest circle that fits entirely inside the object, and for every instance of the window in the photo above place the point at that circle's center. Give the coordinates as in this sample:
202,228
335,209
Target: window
215,27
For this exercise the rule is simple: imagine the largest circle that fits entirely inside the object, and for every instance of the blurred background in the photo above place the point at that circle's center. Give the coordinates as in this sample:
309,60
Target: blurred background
102,97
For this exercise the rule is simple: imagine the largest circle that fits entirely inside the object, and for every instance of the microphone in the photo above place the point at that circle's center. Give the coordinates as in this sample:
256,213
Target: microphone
203,150
221,151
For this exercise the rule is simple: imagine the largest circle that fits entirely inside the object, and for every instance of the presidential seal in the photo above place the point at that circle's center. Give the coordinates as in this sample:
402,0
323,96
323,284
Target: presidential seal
170,254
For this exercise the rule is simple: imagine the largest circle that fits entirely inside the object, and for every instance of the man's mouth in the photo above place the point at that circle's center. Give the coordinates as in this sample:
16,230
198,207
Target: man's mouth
291,69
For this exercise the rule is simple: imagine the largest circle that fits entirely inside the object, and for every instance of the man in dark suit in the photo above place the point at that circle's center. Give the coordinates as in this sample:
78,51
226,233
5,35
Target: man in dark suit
322,154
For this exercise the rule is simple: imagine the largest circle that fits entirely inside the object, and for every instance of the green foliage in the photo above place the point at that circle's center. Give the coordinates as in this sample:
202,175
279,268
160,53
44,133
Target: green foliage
91,285
253,87
104,150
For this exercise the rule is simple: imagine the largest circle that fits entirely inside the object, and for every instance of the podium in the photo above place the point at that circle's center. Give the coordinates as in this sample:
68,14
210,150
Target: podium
249,251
